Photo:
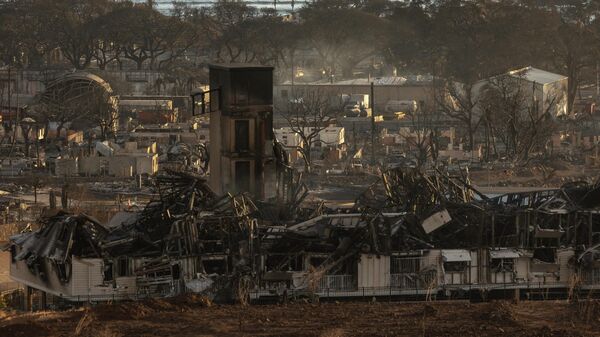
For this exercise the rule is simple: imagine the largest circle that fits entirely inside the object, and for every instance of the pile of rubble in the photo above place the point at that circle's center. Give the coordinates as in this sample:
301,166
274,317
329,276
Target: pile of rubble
190,239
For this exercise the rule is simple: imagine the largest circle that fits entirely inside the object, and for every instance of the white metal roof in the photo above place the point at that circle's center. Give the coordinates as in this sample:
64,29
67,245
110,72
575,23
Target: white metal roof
456,255
386,80
147,102
532,74
505,253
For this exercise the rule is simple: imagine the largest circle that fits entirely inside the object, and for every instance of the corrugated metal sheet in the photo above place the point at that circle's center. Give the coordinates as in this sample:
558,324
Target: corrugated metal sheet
474,266
87,278
564,256
152,103
378,81
522,268
456,255
388,80
436,221
373,271
126,285
505,253
537,75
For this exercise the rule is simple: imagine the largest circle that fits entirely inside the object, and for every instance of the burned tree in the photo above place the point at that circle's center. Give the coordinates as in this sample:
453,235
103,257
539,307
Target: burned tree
101,109
223,24
423,135
342,35
458,101
309,113
516,115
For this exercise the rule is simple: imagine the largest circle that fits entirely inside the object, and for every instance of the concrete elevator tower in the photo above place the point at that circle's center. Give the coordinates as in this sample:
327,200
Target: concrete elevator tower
241,127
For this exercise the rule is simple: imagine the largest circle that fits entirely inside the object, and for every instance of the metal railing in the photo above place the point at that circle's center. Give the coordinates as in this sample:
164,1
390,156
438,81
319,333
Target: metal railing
590,277
159,287
473,292
412,280
337,282
343,286
405,265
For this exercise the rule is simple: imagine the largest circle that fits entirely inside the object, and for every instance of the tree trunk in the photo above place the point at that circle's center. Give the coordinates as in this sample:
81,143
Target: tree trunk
573,84
471,136
307,159
347,71
59,128
26,139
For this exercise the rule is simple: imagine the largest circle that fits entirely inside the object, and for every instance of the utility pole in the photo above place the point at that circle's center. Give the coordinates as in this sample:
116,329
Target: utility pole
9,85
293,72
9,94
372,102
354,142
16,121
597,81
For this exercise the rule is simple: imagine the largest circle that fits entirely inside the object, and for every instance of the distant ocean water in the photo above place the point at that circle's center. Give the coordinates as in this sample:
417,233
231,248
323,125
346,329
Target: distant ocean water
283,6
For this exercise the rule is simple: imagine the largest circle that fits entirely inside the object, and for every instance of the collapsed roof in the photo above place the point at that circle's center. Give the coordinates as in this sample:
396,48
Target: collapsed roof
407,210
61,236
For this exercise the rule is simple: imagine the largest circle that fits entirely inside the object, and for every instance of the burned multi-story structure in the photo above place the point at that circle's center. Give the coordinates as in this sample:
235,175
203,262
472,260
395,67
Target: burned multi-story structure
411,233
241,114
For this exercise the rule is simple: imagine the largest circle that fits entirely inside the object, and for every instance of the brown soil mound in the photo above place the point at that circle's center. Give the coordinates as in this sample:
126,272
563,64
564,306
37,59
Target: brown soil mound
191,301
138,310
589,311
498,313
24,330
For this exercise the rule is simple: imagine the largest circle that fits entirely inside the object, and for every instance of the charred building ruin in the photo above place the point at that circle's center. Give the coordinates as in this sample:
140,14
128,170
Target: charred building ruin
241,128
247,232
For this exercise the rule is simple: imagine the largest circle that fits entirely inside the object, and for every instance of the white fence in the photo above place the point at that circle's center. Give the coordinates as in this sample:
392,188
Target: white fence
411,273
337,282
